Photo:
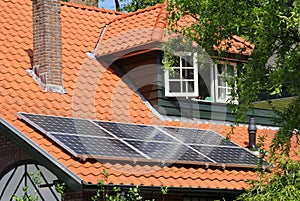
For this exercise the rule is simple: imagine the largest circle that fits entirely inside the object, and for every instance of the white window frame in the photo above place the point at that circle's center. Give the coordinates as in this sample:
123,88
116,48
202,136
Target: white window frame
226,86
181,79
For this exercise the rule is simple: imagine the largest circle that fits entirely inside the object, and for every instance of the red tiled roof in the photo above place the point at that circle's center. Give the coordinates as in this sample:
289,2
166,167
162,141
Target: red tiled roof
96,92
133,30
149,26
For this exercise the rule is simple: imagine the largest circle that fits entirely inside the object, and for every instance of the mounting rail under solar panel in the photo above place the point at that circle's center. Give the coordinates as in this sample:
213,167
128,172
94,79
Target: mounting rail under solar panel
122,141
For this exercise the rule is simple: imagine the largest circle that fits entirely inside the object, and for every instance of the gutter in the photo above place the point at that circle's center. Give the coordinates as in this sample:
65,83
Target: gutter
40,155
188,191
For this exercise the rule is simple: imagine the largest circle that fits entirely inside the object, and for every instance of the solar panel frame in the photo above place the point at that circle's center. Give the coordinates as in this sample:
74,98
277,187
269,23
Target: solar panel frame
161,136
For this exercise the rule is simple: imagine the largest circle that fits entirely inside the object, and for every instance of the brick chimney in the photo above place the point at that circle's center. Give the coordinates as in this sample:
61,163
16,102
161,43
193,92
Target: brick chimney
47,45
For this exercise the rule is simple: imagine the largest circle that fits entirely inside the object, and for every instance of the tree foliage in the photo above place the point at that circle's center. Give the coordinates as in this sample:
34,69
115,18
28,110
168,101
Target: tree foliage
273,26
134,5
132,194
273,66
282,184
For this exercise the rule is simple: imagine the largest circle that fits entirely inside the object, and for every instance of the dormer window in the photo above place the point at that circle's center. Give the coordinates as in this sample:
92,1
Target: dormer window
200,81
223,89
182,81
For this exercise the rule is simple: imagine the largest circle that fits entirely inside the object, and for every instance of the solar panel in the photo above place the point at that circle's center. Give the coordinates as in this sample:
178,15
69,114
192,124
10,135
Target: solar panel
64,125
195,136
111,140
91,146
226,155
168,151
132,131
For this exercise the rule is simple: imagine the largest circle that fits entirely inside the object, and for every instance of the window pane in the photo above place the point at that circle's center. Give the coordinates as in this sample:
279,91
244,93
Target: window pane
220,69
176,61
205,81
175,86
221,93
187,61
188,73
221,81
191,86
175,74
230,70
188,86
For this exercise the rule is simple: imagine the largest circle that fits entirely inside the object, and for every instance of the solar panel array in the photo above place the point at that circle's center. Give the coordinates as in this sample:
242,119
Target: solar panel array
122,141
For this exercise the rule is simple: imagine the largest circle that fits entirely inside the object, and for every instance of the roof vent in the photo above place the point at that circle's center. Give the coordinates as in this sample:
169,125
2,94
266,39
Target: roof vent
252,133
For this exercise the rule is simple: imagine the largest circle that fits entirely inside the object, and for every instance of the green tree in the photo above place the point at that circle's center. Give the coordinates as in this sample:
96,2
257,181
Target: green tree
282,184
134,5
132,194
273,27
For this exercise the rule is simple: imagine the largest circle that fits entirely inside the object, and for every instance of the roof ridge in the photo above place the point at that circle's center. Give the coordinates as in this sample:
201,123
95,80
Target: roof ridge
91,8
139,11
244,41
160,24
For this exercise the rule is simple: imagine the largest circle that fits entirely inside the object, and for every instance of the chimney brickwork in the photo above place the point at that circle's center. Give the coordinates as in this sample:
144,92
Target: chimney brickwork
47,45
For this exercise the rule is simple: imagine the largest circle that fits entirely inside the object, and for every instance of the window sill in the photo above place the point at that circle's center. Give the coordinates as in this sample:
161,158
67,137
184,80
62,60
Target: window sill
201,100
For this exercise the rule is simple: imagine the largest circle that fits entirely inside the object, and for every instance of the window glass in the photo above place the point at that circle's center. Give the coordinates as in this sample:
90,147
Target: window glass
182,80
175,86
175,74
201,81
205,82
187,61
223,89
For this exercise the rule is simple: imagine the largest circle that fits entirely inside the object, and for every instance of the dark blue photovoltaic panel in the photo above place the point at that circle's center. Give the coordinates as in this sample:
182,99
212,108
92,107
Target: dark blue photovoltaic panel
93,146
167,151
159,150
66,125
228,155
191,155
195,136
135,131
98,139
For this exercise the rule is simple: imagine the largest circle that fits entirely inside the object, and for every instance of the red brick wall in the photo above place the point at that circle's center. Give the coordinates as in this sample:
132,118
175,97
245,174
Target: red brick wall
47,48
78,195
10,153
87,195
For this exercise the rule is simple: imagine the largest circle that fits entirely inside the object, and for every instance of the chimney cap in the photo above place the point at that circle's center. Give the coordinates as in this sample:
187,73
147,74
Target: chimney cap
252,124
